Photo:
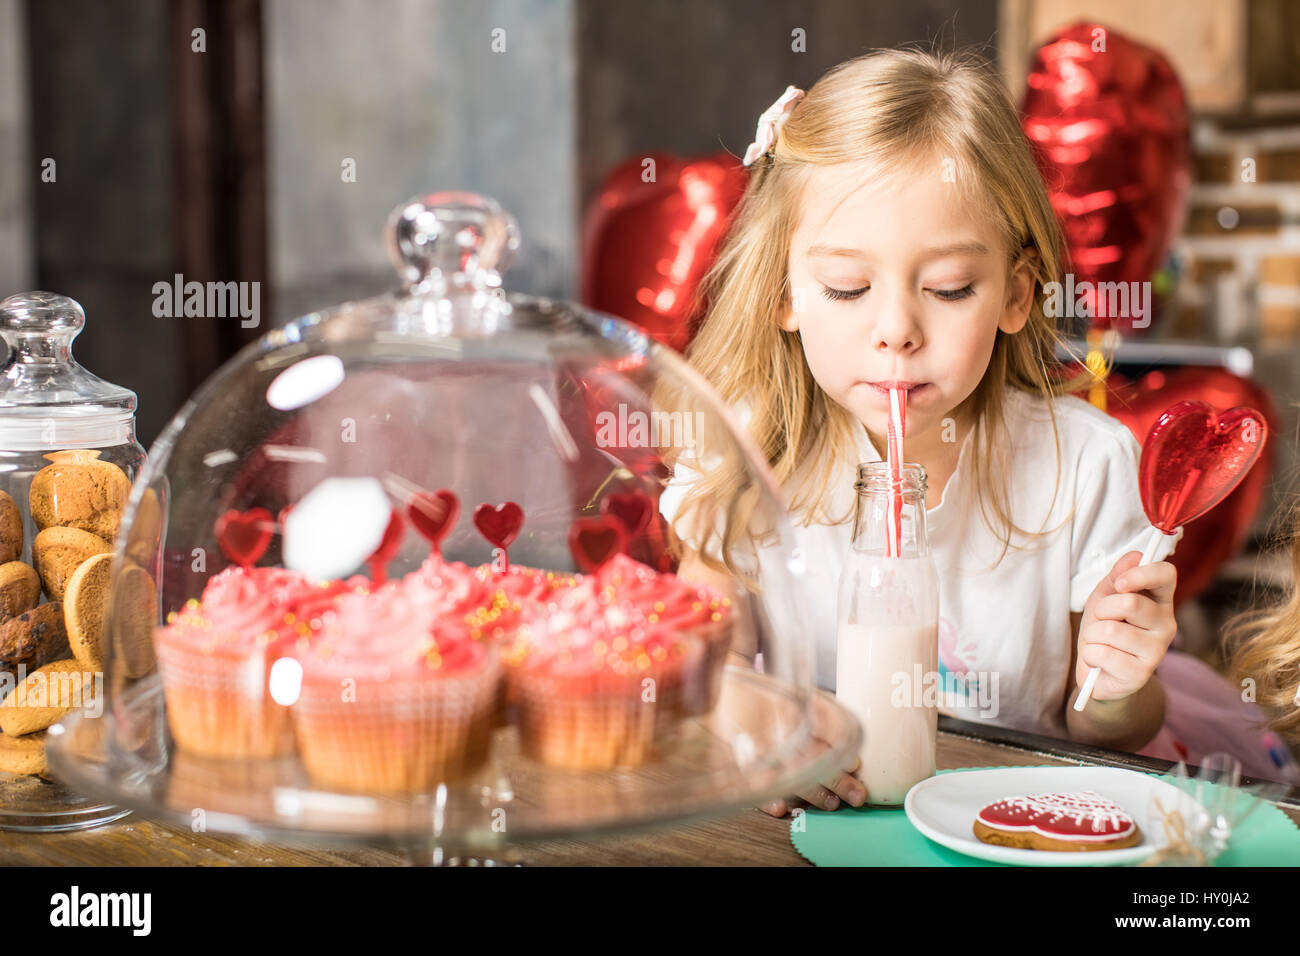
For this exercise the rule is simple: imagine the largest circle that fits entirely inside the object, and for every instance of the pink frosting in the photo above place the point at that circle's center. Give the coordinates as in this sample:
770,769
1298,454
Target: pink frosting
390,633
243,608
665,598
481,602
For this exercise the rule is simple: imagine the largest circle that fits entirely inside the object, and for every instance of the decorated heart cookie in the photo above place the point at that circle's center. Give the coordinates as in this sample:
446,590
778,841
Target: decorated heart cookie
1057,821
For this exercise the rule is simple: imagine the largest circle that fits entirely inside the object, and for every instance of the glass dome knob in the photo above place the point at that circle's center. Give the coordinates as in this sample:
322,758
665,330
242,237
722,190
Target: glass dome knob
452,240
41,324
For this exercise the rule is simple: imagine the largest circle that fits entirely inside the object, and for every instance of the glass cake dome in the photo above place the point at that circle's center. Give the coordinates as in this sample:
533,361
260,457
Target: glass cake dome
409,567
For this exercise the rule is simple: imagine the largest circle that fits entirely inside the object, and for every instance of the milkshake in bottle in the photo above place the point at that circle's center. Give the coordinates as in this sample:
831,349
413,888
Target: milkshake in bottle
887,642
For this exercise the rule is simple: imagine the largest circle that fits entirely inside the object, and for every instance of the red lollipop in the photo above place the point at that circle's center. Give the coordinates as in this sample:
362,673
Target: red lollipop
1192,459
633,508
244,536
594,541
434,514
389,545
500,524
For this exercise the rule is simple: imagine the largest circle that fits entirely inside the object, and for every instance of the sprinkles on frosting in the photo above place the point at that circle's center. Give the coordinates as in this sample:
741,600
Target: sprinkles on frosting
1085,816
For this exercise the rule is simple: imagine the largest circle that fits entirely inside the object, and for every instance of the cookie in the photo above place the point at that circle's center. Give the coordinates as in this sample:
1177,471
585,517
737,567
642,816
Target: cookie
1057,821
144,541
30,640
134,620
20,589
11,529
24,755
79,491
46,695
85,603
58,552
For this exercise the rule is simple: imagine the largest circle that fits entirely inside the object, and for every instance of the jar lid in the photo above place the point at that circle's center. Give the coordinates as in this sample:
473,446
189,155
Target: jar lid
47,400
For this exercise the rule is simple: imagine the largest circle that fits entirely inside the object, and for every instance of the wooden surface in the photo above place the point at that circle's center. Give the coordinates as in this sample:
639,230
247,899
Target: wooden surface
750,838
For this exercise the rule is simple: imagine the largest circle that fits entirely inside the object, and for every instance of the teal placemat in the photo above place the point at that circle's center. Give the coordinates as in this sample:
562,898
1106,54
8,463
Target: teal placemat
851,837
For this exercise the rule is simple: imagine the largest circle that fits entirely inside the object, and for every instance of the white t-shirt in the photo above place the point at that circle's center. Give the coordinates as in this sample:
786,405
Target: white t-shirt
1004,634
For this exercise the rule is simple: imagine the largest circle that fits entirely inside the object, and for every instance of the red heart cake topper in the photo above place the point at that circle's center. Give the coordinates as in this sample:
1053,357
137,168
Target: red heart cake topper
434,514
389,545
1193,458
594,541
632,508
244,536
500,524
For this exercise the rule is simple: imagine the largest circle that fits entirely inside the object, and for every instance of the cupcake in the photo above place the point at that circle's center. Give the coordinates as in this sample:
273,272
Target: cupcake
481,602
391,700
591,683
694,613
215,658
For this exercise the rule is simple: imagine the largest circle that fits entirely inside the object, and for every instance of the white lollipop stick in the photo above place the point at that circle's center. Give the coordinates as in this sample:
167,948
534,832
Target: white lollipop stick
1089,682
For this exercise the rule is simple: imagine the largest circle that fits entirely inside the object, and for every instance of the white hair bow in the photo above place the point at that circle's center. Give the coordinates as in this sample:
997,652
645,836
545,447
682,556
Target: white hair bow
771,121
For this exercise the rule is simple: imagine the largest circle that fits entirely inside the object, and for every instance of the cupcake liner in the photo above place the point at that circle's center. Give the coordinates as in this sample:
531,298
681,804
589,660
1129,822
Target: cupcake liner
401,735
218,705
703,682
592,721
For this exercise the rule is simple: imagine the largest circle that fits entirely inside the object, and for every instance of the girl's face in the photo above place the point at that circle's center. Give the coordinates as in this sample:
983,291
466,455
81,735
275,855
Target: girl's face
900,280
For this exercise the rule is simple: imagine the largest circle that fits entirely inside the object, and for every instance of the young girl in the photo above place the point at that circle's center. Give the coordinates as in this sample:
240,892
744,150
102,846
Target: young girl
897,232
1265,650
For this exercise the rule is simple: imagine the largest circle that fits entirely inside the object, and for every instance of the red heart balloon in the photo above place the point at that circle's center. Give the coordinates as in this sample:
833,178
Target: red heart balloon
434,514
594,541
1194,457
1110,124
244,536
647,242
632,508
499,524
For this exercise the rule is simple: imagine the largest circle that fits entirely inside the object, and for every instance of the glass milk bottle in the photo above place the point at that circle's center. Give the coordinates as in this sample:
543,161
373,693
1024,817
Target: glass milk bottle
887,640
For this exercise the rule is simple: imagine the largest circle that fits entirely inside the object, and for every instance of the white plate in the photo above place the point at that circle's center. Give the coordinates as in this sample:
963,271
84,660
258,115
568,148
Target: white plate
944,808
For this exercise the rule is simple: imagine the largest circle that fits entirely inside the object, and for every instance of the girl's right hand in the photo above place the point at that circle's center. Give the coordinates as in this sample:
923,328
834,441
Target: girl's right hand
841,787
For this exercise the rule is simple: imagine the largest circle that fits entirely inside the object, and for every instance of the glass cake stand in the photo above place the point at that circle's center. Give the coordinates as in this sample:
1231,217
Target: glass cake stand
736,757
31,804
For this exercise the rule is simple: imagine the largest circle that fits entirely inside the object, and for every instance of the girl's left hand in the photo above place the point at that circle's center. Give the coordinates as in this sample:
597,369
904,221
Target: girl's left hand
1127,625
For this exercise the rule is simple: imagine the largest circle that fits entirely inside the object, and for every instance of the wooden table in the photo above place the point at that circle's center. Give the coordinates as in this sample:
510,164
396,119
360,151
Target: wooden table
750,838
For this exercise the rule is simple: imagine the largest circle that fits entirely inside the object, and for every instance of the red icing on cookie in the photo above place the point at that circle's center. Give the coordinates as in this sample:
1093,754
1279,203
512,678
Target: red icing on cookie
1080,817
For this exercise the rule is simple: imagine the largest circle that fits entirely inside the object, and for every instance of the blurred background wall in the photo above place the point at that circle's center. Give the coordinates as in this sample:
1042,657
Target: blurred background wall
275,153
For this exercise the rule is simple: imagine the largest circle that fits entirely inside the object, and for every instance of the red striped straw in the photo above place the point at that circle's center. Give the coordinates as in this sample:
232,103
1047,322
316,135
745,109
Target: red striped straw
897,431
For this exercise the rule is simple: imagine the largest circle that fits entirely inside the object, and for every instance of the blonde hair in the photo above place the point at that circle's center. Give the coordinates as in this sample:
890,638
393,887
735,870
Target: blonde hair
1264,646
888,107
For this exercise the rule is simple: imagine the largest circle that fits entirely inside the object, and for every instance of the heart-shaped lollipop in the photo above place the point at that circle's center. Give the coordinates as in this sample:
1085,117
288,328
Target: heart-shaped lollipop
434,514
388,548
594,541
500,524
632,508
244,536
1192,459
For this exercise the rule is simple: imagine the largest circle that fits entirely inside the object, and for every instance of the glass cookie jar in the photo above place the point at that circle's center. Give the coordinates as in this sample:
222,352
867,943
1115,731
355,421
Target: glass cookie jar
68,455
432,567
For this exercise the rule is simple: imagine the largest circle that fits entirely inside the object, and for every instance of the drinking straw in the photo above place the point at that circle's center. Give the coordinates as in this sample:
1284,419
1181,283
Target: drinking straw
896,432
